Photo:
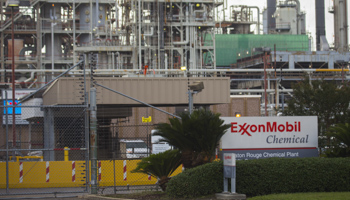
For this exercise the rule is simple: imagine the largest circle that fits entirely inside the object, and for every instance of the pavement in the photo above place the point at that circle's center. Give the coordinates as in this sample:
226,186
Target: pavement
71,193
62,197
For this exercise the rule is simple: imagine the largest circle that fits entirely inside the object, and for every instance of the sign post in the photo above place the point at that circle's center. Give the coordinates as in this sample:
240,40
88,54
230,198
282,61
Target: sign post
230,173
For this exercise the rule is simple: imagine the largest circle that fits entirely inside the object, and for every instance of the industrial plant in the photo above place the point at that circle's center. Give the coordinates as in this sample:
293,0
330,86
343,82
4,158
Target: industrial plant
127,37
82,75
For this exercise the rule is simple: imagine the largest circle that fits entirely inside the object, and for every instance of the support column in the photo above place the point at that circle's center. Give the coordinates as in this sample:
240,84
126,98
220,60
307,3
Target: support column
49,134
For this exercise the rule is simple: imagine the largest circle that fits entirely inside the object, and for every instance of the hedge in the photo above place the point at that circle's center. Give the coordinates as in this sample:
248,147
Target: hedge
202,180
267,176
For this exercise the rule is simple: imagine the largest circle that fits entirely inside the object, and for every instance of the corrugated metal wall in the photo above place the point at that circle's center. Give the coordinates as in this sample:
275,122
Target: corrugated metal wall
229,48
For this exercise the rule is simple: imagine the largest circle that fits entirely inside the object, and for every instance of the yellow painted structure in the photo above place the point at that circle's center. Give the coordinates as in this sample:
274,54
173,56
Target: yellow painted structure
60,174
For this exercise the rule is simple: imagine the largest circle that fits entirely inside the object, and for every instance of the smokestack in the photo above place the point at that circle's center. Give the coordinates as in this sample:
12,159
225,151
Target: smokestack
320,22
271,9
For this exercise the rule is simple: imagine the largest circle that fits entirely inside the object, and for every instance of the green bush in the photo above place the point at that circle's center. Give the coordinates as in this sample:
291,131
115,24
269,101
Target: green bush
283,175
198,181
266,176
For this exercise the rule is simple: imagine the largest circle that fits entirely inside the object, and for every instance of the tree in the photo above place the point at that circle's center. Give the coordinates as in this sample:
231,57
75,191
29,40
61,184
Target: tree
340,141
196,136
324,99
160,166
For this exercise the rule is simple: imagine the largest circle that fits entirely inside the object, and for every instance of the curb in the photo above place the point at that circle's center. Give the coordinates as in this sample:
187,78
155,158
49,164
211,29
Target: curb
98,197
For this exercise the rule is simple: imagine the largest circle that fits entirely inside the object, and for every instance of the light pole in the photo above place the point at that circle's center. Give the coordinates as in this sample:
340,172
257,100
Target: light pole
12,4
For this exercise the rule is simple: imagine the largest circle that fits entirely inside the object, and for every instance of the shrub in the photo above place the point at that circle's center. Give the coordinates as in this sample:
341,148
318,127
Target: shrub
202,180
267,176
160,166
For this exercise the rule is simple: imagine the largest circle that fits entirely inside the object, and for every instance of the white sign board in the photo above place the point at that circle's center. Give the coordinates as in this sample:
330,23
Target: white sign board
18,93
159,148
229,159
270,132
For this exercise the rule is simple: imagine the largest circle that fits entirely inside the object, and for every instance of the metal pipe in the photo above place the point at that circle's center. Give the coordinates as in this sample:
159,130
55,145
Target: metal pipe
149,34
93,140
53,18
187,32
13,84
108,71
7,146
27,97
139,16
30,78
265,83
258,15
234,91
117,15
113,61
97,7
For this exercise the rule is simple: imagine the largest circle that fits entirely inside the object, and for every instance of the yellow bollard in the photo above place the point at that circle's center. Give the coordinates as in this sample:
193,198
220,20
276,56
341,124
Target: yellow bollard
66,154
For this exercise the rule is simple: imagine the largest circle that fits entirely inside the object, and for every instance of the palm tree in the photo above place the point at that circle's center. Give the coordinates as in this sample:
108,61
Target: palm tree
340,137
160,166
196,136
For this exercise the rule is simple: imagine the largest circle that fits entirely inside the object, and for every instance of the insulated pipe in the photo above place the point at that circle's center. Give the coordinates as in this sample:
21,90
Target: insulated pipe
30,78
187,32
53,17
149,34
97,7
23,50
199,11
118,59
117,15
113,60
139,15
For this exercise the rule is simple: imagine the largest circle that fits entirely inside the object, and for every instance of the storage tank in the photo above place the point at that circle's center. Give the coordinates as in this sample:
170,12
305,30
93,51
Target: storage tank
340,26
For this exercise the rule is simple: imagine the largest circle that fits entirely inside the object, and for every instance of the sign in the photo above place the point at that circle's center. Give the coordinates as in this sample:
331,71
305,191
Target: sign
159,148
146,120
18,119
230,159
19,93
230,171
265,137
9,104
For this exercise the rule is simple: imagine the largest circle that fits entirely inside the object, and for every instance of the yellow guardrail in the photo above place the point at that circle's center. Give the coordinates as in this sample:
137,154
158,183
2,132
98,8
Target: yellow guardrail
28,158
46,174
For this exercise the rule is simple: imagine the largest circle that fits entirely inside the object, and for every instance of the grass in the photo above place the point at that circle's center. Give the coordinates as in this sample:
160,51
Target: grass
150,195
308,196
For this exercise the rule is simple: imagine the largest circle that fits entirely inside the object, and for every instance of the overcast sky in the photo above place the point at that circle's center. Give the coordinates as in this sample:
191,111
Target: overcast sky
307,6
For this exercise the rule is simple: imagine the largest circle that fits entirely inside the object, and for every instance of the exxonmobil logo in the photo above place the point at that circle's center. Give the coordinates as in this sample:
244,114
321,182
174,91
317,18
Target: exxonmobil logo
265,128
228,157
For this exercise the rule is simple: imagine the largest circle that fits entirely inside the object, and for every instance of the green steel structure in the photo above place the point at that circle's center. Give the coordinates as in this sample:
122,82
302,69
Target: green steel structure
230,47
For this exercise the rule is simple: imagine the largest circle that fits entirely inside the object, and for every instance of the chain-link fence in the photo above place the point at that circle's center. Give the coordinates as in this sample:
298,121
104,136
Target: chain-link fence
43,149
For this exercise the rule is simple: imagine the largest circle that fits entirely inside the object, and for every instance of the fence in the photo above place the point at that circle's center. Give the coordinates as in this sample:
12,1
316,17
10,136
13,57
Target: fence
47,149
42,147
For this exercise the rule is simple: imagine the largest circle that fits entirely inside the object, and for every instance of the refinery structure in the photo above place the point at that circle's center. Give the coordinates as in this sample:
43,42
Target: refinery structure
125,37
86,72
